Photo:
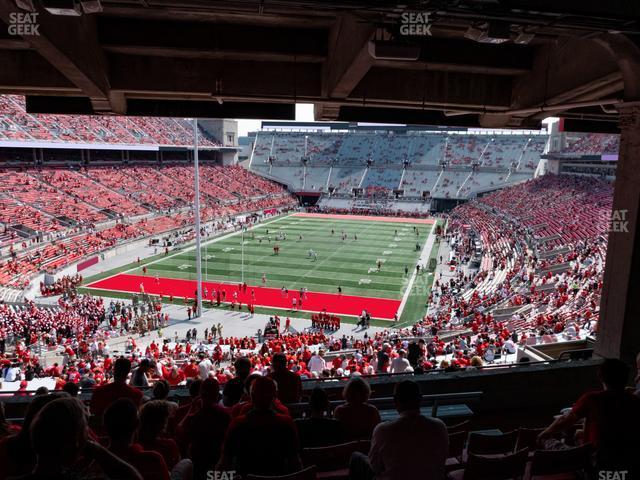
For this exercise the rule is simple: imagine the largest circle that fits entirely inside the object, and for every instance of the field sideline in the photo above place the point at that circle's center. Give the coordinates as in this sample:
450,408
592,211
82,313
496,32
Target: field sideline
350,264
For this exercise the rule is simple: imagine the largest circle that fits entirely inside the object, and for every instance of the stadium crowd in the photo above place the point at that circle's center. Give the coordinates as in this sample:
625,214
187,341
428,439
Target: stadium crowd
246,426
61,285
90,200
17,124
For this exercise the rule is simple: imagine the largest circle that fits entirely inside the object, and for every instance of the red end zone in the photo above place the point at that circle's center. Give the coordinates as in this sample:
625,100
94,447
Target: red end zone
382,308
427,221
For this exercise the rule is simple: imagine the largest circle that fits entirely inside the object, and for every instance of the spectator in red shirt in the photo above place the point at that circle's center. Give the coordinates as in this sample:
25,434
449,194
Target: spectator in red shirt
289,384
244,407
262,442
194,393
121,422
152,434
612,420
204,428
357,416
234,388
191,369
59,438
16,454
105,395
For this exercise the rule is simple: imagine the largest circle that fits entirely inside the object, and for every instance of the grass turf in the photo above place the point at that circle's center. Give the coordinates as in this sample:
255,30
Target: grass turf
350,264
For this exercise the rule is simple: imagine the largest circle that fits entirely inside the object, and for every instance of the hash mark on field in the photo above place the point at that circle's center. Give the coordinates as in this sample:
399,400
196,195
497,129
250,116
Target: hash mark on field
209,257
392,245
184,266
227,249
364,280
387,252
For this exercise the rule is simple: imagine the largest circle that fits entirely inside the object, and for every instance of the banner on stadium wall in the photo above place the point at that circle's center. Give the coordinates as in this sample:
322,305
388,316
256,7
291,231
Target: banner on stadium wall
270,211
87,263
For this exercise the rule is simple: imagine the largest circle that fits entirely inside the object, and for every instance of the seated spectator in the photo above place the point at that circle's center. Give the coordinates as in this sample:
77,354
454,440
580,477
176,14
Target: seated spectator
475,362
62,449
105,395
194,394
289,384
262,442
71,388
231,394
612,420
357,416
412,443
121,422
204,428
245,407
317,362
400,363
154,419
139,377
235,386
318,430
160,391
16,454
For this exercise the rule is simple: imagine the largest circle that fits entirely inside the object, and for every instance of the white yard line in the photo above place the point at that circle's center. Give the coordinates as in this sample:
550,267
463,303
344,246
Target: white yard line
324,260
424,257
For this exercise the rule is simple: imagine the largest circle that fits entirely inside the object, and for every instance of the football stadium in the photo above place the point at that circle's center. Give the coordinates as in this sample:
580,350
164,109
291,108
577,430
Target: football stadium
299,240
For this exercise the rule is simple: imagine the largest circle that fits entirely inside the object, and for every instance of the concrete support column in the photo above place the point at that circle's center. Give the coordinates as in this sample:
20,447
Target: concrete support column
619,328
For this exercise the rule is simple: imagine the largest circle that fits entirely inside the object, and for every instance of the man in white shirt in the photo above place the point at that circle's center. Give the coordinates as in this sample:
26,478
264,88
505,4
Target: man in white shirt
413,446
12,374
400,363
204,367
317,363
509,346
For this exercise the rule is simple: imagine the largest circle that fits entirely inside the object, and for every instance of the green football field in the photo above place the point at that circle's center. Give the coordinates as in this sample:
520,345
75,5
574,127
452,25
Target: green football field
350,264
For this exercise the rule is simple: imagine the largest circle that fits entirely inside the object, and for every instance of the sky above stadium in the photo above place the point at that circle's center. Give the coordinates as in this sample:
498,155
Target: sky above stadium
304,113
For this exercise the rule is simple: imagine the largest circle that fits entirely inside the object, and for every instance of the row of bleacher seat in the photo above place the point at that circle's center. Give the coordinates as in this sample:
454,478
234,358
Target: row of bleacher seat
288,148
65,203
17,124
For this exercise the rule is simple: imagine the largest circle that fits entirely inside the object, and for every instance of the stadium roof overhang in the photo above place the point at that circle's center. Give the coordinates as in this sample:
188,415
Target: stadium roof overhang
491,63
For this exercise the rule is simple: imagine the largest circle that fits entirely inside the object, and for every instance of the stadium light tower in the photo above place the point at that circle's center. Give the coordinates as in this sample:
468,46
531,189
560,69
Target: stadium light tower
196,174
